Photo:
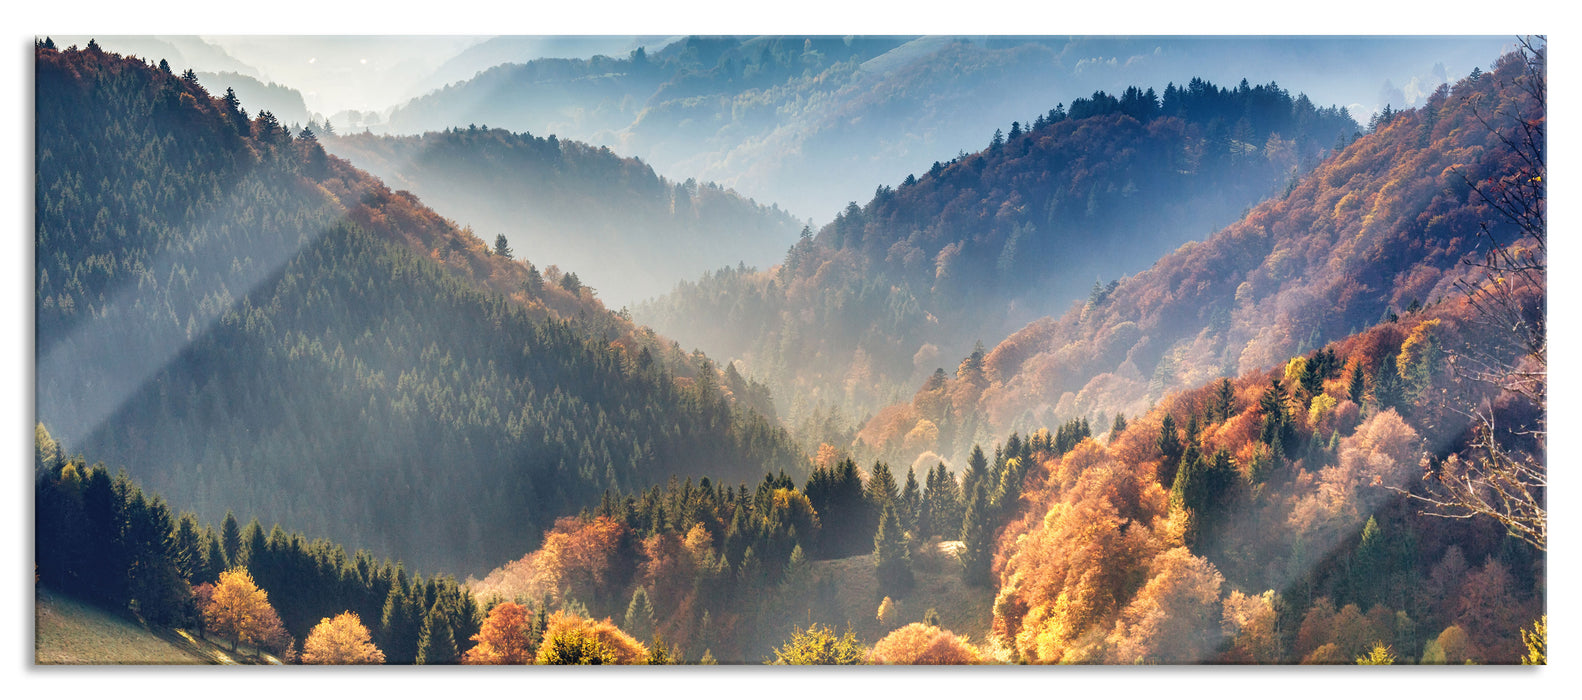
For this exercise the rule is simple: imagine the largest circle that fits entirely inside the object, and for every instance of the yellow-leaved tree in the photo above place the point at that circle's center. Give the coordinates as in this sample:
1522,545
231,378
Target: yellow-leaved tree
239,609
342,640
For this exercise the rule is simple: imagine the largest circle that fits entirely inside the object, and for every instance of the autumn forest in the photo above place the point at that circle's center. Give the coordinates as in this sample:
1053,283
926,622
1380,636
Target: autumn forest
1199,371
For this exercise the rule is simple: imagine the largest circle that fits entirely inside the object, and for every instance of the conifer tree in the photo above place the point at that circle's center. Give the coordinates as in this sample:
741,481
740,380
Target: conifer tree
881,489
911,502
400,624
188,548
1357,386
977,471
255,546
798,571
945,504
639,615
1224,400
892,561
231,540
436,641
1169,448
977,536
502,247
213,561
1389,390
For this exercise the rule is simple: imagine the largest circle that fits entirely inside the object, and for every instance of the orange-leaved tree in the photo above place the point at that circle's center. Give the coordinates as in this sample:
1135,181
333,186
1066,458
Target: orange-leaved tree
506,638
922,644
239,609
342,640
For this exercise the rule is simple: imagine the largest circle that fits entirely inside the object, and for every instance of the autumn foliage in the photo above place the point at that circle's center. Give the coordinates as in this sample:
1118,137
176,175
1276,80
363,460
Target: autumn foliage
1380,224
238,609
567,631
920,644
506,638
342,640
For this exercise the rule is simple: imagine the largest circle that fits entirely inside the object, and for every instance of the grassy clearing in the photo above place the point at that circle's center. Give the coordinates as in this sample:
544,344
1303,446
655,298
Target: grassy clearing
962,609
69,631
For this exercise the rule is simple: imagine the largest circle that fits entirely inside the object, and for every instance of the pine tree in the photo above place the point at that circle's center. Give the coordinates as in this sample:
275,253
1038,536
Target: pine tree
798,571
1169,443
1357,386
911,502
1389,390
214,559
255,550
1224,400
639,615
977,537
945,504
502,247
188,548
892,561
977,471
881,490
400,624
436,641
231,540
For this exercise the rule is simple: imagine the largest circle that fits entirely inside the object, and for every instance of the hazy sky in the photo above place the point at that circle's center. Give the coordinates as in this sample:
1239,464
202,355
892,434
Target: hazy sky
333,73
375,73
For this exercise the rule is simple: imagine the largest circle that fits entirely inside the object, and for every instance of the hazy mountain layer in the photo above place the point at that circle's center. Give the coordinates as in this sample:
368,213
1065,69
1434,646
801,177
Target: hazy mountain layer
972,249
1375,228
244,322
630,233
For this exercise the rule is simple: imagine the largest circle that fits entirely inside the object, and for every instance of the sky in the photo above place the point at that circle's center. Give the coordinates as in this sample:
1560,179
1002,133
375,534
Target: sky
373,73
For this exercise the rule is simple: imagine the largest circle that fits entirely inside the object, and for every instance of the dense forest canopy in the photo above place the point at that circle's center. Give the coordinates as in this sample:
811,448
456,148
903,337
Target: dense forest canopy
245,322
1382,225
857,316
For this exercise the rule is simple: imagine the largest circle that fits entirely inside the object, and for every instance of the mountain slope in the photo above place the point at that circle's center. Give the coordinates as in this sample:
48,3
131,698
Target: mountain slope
976,247
1267,518
814,122
629,232
244,322
1379,226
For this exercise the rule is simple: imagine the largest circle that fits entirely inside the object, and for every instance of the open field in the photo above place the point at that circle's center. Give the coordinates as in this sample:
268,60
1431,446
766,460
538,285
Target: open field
69,631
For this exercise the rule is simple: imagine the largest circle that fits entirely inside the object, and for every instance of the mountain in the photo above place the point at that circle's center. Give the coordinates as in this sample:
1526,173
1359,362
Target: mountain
242,321
521,49
1379,227
814,122
630,232
859,315
181,51
1273,518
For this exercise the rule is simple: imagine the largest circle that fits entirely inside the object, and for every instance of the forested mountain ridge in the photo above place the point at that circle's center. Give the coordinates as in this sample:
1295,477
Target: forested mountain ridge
974,248
1375,229
630,232
244,322
1284,515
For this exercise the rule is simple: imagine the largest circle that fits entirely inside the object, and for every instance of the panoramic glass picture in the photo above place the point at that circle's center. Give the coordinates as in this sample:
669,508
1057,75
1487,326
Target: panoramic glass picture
790,350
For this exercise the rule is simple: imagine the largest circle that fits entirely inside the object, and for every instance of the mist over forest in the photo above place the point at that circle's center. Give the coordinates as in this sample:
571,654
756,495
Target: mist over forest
791,350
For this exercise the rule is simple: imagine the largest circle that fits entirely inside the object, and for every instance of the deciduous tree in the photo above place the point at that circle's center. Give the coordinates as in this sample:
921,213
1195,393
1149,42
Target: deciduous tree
921,644
341,640
238,609
505,638
818,646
